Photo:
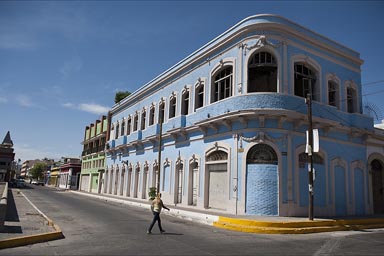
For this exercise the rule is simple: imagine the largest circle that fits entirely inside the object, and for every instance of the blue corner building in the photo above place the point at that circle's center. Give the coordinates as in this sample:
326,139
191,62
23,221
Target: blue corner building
231,121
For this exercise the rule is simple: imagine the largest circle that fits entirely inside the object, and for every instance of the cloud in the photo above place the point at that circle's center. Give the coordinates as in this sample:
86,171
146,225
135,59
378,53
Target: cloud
26,152
93,108
24,101
88,107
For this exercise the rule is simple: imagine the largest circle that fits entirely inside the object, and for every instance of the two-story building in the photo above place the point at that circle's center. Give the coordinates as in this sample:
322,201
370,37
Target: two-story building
225,128
69,173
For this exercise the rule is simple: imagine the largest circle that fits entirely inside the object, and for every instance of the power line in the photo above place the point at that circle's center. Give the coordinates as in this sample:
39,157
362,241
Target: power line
381,91
374,83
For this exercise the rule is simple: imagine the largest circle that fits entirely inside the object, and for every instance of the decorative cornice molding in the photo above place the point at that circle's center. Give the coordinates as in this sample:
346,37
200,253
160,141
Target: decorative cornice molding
260,43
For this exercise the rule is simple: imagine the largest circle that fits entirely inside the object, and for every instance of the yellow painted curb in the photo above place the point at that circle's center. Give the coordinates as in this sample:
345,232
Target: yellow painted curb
33,239
296,227
25,240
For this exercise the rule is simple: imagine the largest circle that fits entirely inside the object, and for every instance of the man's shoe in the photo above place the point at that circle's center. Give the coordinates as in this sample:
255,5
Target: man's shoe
149,232
162,231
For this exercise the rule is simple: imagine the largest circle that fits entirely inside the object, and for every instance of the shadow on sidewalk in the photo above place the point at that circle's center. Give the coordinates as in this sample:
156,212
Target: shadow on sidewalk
11,216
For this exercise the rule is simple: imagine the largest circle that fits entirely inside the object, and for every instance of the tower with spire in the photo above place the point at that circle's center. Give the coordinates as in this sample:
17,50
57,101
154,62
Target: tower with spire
7,157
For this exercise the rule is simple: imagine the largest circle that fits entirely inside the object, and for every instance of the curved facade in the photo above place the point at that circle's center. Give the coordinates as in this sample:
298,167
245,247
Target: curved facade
234,121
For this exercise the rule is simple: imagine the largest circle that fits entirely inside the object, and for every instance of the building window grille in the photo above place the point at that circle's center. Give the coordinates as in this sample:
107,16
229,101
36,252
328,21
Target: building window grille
185,103
135,122
143,117
122,128
262,154
161,112
351,100
152,115
117,131
222,85
305,81
129,125
262,73
172,107
333,94
199,96
218,155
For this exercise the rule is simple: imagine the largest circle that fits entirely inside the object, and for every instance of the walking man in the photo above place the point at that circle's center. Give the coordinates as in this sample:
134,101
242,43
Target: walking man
156,206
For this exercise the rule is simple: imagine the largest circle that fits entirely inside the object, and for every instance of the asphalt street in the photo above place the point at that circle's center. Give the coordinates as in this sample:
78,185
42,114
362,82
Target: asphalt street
96,227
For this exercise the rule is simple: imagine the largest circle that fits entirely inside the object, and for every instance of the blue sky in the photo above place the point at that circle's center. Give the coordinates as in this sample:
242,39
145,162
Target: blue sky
61,62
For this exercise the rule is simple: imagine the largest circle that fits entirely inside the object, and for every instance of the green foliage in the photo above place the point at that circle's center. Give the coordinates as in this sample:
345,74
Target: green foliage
121,95
37,171
152,193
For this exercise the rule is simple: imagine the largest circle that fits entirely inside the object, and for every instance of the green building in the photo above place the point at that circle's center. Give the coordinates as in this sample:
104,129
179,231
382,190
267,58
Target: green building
93,157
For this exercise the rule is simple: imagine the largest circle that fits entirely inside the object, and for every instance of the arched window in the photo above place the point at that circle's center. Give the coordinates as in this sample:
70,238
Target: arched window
199,95
351,100
117,131
152,115
122,128
222,84
218,155
262,73
129,125
143,118
135,121
161,111
305,81
172,106
185,102
333,94
262,154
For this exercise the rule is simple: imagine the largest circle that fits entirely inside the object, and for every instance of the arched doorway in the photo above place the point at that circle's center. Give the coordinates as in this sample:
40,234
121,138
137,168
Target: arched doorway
117,180
179,182
216,184
262,185
193,181
377,186
121,187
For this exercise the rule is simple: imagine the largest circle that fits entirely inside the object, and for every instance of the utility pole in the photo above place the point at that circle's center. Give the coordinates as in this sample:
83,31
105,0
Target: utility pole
308,100
159,157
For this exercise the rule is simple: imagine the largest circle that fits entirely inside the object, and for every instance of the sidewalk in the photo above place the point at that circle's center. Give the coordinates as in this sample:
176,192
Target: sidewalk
25,223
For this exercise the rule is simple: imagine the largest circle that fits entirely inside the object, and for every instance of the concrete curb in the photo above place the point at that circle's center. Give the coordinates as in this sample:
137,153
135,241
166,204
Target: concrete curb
297,227
33,239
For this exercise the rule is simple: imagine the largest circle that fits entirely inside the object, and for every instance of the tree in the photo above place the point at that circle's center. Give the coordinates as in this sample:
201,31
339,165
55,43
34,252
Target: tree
37,171
121,95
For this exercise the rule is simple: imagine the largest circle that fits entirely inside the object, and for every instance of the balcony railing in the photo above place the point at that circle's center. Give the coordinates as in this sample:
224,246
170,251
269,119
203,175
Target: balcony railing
93,150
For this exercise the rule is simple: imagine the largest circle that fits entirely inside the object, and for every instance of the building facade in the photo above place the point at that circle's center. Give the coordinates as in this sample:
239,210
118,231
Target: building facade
7,157
230,121
69,176
93,156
